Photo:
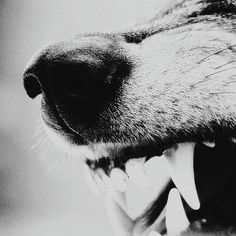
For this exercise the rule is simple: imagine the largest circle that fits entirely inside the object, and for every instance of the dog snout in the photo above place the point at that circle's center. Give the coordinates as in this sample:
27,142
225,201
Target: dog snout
90,68
78,78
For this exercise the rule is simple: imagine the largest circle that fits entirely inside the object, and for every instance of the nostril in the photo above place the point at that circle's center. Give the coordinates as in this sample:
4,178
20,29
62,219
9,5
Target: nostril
32,85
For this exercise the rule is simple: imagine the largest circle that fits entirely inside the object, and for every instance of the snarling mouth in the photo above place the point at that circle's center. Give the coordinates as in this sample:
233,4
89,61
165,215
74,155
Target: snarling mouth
204,174
159,91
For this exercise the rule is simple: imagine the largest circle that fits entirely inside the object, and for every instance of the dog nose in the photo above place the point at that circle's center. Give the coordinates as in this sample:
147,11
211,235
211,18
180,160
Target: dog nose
85,70
79,80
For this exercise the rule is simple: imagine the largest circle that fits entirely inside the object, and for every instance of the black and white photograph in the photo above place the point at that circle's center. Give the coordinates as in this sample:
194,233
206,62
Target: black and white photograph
118,118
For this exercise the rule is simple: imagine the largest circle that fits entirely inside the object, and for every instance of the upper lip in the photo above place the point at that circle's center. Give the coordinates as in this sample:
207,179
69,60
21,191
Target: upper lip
57,123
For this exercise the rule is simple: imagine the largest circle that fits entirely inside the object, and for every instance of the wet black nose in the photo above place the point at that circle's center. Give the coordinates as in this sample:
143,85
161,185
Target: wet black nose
86,70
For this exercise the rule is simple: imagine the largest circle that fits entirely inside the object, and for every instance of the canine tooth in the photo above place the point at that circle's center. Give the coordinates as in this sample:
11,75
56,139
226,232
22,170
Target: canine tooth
176,219
154,233
119,179
180,163
209,144
90,180
120,220
135,170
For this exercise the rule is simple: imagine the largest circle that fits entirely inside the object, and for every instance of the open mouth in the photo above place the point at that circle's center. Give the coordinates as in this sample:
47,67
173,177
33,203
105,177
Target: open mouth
123,99
203,173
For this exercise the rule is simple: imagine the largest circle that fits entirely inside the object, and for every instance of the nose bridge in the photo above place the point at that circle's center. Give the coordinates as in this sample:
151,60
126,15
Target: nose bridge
78,81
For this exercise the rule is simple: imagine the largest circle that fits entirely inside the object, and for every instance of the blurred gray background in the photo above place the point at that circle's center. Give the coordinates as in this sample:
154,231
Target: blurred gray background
43,191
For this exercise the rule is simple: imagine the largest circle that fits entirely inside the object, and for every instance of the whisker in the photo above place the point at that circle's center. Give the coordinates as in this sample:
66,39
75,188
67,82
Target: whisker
218,67
48,149
39,142
207,76
215,53
37,133
217,93
39,129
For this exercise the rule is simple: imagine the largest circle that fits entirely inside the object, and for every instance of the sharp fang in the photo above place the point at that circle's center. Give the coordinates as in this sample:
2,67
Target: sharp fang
120,220
176,219
209,144
135,170
90,180
180,163
119,179
154,233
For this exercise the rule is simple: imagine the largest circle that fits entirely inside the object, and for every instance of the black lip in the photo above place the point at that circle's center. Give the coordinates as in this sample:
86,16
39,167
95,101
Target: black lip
52,118
67,133
119,156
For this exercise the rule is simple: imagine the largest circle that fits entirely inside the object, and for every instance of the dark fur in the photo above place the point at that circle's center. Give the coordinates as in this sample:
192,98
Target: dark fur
168,81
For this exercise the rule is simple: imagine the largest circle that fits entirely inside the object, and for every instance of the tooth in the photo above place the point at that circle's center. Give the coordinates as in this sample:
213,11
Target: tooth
209,144
154,233
176,219
233,140
90,180
120,197
180,163
119,179
135,170
120,220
